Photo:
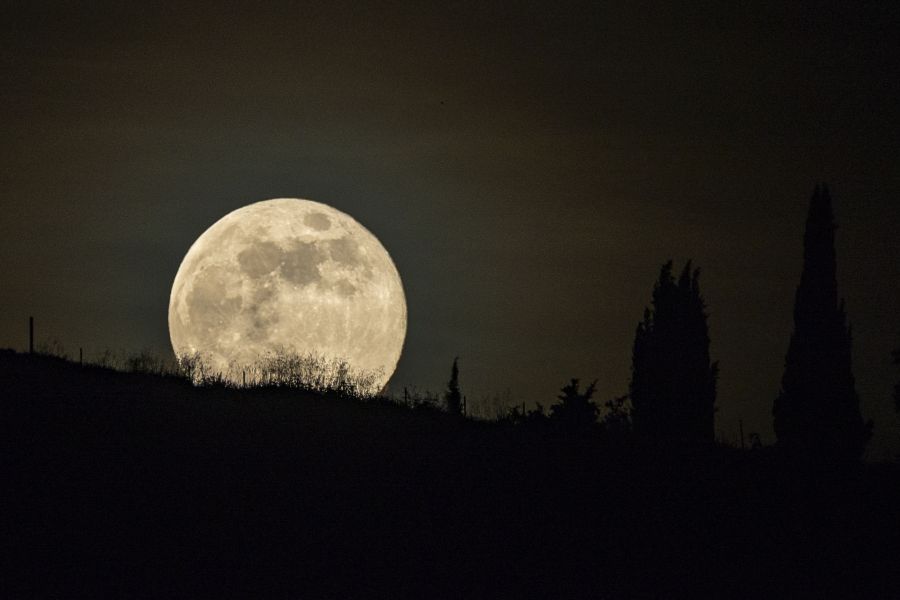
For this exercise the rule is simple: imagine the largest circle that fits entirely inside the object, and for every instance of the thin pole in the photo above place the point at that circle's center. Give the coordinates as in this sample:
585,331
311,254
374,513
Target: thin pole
80,357
741,425
30,335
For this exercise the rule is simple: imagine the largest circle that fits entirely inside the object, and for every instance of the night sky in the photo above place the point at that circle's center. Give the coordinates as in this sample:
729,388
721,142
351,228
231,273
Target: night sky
528,166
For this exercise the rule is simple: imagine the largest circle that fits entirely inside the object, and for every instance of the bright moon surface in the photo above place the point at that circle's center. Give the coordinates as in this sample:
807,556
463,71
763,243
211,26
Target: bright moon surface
288,275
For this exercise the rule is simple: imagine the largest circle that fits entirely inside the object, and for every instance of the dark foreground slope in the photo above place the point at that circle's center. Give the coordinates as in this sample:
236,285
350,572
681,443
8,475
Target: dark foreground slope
142,486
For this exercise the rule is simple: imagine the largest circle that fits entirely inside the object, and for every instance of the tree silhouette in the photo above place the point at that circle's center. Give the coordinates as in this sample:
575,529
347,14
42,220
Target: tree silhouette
817,415
617,419
452,396
673,384
575,412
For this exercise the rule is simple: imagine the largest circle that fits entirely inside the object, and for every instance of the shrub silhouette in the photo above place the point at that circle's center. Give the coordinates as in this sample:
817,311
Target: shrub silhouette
617,420
816,415
575,412
535,419
146,361
673,384
419,400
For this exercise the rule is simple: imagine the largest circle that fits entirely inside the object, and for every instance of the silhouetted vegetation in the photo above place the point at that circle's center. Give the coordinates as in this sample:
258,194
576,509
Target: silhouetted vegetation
453,397
617,420
535,419
491,407
419,399
146,361
140,485
673,384
283,368
817,416
575,413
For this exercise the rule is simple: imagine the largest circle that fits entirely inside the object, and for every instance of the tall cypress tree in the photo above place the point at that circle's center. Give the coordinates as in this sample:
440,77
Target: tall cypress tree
816,415
673,383
452,396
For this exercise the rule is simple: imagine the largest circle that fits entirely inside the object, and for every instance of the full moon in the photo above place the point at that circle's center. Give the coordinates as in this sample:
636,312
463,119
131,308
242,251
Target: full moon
288,275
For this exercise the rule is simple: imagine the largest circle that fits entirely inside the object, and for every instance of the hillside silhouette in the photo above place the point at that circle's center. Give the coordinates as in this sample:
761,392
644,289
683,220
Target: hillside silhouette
140,485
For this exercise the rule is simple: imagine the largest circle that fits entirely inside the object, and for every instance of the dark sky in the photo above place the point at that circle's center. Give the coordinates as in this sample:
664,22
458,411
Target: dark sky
529,166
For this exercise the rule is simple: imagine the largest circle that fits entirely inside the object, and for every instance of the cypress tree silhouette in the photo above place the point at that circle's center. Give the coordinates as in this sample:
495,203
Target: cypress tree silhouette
452,397
673,384
816,415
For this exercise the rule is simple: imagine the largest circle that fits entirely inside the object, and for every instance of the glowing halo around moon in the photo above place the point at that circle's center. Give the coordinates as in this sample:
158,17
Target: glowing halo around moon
288,275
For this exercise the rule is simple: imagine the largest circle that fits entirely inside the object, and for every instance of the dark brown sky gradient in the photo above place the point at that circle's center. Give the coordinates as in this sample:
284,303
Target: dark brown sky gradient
529,168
